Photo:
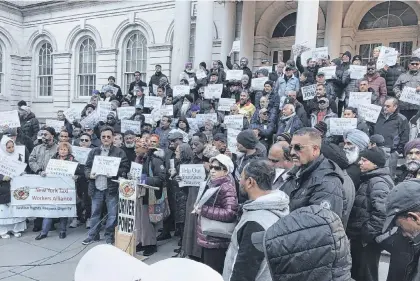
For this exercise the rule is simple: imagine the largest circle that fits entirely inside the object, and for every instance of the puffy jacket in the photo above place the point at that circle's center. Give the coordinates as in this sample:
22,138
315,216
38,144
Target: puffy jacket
321,183
289,125
395,130
282,86
407,79
309,244
391,76
301,113
222,206
368,214
314,118
30,126
40,156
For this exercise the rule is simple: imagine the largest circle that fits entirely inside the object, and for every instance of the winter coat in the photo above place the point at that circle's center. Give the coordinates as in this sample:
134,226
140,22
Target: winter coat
395,130
301,113
40,156
350,85
309,244
266,130
362,126
283,86
353,170
407,79
378,84
368,214
391,76
123,169
136,84
154,80
245,261
311,70
273,99
321,183
205,105
312,105
30,126
314,119
272,114
289,125
222,206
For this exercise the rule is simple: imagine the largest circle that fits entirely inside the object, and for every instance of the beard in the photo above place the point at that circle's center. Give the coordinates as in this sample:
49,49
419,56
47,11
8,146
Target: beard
184,108
130,145
352,154
413,165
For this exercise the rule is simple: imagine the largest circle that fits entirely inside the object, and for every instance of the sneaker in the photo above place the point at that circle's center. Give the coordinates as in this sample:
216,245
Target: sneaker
88,224
5,236
17,234
75,223
89,240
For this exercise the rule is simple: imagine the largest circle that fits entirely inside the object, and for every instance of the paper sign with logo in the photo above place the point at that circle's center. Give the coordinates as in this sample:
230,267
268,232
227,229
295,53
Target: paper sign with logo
309,92
369,112
181,90
72,114
213,91
131,125
329,71
9,119
356,98
234,122
45,197
234,75
236,46
104,107
387,56
339,125
61,168
152,102
231,139
258,83
80,154
125,112
320,53
410,95
167,110
127,207
105,165
56,124
225,104
192,174
91,120
11,167
357,71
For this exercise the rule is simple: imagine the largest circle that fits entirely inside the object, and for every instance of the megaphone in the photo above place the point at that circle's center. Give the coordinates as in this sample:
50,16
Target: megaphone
108,263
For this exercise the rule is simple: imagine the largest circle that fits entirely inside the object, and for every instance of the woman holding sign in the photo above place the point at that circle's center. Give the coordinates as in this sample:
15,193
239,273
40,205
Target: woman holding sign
9,224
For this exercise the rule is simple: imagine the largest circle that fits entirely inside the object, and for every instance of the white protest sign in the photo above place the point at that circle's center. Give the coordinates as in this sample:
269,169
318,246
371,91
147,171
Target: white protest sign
387,56
225,104
56,124
369,112
131,125
127,207
298,49
192,174
234,122
410,95
136,171
155,87
201,74
258,83
357,71
91,120
61,168
213,91
416,53
45,197
231,139
356,98
339,125
329,71
9,119
309,92
191,83
105,165
104,107
167,110
201,118
107,88
234,75
152,102
193,124
11,167
320,53
80,154
72,114
148,119
125,112
180,90
236,46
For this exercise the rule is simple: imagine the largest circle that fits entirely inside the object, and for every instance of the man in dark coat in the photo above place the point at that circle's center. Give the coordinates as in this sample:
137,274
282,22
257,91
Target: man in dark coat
155,79
412,161
391,74
129,145
28,122
243,64
136,83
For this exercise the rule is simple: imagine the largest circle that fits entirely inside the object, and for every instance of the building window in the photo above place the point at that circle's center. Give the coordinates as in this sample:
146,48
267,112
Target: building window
389,14
366,52
286,27
1,69
86,77
135,58
45,70
405,49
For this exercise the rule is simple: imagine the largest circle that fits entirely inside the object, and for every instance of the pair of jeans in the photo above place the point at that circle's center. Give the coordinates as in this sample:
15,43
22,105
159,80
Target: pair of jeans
47,223
98,199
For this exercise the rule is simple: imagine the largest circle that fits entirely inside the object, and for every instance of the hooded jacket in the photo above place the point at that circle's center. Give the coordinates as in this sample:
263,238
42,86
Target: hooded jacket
378,84
320,183
308,245
407,79
30,126
243,260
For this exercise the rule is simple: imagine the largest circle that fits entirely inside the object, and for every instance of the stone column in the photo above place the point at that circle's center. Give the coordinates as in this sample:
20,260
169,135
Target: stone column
106,66
228,31
204,33
181,39
333,28
307,25
247,31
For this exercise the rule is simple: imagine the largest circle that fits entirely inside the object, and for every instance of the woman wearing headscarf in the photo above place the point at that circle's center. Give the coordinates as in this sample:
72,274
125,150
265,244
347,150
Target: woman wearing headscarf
9,224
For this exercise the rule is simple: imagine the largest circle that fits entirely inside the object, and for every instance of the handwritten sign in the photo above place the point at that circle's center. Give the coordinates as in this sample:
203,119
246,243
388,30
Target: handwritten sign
72,114
357,71
225,104
131,125
234,121
61,168
148,119
125,112
258,83
181,90
105,165
56,124
410,95
167,110
9,119
234,75
11,167
298,49
320,53
340,125
387,56
356,98
309,92
192,174
80,154
104,107
231,139
201,118
329,71
109,88
136,171
369,112
91,120
213,91
201,74
127,207
236,46
152,102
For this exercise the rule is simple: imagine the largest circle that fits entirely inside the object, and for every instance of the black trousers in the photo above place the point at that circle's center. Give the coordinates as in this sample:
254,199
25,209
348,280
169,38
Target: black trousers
215,258
169,222
365,261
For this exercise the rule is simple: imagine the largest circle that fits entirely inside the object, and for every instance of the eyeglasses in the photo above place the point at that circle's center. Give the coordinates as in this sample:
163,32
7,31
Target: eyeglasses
297,147
106,137
414,63
371,69
321,102
216,168
264,113
84,140
44,135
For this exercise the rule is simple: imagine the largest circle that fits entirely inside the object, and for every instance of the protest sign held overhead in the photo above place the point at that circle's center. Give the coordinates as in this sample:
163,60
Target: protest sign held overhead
329,71
56,124
234,75
357,71
236,46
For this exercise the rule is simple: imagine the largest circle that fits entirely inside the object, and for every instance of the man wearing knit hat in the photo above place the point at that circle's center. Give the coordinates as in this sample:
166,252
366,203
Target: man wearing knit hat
412,161
368,214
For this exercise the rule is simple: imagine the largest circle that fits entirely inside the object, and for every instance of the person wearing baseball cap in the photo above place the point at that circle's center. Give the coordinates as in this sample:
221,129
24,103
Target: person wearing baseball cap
368,214
220,142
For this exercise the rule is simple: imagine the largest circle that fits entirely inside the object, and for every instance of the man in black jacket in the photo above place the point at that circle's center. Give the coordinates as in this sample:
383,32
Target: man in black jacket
155,79
136,83
391,74
28,122
103,189
129,144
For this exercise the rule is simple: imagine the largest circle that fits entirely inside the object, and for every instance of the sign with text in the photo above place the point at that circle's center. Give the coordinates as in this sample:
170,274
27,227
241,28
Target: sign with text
410,95
231,139
11,167
258,83
167,110
127,206
181,90
192,174
148,119
387,56
213,91
234,122
105,165
369,112
298,49
45,197
234,75
72,114
357,71
56,124
91,120
320,53
9,119
309,92
80,154
109,88
104,107
152,102
339,125
236,46
125,112
191,83
136,171
131,125
201,118
356,98
225,104
329,71
61,168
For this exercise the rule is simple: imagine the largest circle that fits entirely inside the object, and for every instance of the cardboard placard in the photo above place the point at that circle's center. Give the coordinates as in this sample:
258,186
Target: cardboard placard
387,56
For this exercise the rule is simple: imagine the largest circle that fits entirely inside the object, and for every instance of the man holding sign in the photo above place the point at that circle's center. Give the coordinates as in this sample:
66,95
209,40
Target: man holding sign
103,189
